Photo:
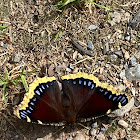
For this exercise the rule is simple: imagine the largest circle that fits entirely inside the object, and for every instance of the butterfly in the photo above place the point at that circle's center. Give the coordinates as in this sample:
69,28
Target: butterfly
82,97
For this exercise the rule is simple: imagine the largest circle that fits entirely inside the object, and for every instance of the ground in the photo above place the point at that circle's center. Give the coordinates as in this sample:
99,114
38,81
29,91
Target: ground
39,38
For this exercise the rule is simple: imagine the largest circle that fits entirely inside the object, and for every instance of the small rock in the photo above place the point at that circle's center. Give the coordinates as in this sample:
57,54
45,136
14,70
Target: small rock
133,90
133,61
79,137
123,123
94,125
15,58
16,137
113,56
93,132
51,70
68,70
122,74
133,73
121,87
103,129
128,38
90,45
43,34
71,66
107,65
100,136
119,53
113,137
137,55
39,139
106,48
135,21
115,18
137,102
120,36
70,138
92,27
111,41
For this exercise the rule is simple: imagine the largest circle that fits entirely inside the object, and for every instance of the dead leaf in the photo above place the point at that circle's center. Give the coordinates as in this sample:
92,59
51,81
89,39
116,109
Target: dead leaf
51,70
8,39
126,54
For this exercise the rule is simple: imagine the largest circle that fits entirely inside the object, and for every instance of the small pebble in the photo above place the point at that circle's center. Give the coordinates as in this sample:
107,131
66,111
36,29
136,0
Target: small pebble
92,27
133,61
79,137
68,70
120,36
90,45
107,65
106,48
121,86
138,55
43,34
71,66
93,132
100,136
115,18
119,53
122,74
70,138
16,137
136,102
111,41
103,129
133,73
94,125
123,123
15,58
113,56
113,137
135,21
127,38
39,139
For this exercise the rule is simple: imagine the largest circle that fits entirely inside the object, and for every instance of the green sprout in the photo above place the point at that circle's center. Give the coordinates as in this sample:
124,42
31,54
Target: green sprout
7,80
68,3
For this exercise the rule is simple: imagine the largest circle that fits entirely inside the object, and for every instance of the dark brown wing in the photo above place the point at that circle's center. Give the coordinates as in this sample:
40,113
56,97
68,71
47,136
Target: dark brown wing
89,97
42,104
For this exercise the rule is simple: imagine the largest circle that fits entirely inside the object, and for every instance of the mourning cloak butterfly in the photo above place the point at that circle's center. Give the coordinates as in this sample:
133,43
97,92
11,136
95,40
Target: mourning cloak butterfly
82,97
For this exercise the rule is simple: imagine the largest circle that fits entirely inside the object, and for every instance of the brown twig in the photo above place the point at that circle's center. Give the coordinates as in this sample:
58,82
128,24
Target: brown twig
79,47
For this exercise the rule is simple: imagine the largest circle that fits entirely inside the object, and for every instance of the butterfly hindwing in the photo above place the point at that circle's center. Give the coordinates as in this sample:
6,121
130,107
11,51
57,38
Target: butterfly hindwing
91,98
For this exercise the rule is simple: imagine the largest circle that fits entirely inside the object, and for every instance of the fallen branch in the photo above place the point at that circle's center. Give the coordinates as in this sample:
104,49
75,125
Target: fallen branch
80,48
